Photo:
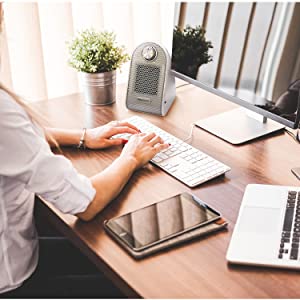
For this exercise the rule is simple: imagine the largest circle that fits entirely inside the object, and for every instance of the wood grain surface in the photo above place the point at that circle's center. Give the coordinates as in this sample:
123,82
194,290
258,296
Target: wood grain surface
197,269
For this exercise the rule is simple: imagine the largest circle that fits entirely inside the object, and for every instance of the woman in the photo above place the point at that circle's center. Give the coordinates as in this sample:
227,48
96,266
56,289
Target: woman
28,167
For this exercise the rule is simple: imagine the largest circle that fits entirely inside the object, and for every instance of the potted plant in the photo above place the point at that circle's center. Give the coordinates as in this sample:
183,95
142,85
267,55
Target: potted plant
190,50
96,56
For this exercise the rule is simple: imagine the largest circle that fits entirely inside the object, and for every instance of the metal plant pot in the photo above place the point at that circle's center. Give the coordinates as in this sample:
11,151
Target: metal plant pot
99,88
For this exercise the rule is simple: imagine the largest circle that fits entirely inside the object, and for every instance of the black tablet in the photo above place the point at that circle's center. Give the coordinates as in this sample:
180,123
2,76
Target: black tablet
161,221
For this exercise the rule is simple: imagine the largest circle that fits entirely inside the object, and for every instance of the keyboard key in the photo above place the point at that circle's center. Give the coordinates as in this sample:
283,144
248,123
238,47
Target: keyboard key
163,164
163,156
288,219
196,181
286,233
157,159
182,148
294,254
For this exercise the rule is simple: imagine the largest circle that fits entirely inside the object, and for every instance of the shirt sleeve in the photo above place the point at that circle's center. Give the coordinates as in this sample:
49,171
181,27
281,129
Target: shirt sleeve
27,157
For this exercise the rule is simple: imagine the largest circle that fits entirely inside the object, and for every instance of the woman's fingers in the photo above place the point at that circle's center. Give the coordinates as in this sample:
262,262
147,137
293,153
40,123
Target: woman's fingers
117,142
121,123
149,136
157,139
151,139
161,147
122,129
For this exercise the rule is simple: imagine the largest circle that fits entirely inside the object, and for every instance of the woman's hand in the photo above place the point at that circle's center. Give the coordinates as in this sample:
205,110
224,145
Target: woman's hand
136,153
99,137
142,147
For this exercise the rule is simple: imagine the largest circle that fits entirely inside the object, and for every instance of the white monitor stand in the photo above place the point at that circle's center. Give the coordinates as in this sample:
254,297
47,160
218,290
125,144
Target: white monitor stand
237,126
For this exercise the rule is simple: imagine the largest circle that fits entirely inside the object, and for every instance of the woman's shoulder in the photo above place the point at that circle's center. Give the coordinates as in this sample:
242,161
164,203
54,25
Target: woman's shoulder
9,105
13,114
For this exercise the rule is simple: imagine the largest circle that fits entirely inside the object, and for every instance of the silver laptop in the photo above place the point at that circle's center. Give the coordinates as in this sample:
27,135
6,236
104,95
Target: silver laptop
267,231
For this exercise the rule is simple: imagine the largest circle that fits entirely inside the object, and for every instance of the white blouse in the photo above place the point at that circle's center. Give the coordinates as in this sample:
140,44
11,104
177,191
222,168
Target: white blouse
28,167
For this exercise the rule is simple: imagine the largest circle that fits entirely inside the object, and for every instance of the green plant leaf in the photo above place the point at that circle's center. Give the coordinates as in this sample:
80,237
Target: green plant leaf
96,52
190,50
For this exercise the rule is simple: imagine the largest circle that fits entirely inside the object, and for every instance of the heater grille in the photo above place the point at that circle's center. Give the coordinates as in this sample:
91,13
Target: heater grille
147,79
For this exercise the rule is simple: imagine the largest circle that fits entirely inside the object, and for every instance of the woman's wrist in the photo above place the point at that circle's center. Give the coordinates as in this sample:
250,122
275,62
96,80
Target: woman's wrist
65,137
129,161
90,139
82,141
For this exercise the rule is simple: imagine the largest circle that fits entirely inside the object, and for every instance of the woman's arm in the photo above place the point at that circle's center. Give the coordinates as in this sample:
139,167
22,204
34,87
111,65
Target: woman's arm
64,137
108,184
26,157
95,138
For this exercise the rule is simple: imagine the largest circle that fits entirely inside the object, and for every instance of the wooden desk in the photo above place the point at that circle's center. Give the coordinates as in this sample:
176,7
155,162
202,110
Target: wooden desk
197,269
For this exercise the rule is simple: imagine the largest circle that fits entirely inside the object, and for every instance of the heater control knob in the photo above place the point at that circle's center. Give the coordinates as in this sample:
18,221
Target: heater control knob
149,52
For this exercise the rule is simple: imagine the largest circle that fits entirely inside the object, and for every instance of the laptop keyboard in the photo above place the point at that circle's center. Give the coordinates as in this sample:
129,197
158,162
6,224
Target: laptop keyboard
289,244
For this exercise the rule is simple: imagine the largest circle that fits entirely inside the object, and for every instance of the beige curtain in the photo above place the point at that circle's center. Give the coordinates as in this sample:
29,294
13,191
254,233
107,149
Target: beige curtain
34,52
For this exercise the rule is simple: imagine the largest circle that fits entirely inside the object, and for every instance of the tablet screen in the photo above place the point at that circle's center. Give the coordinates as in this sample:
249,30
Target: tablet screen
160,221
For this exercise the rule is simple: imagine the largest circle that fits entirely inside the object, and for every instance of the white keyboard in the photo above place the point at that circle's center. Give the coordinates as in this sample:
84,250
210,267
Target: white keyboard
181,160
